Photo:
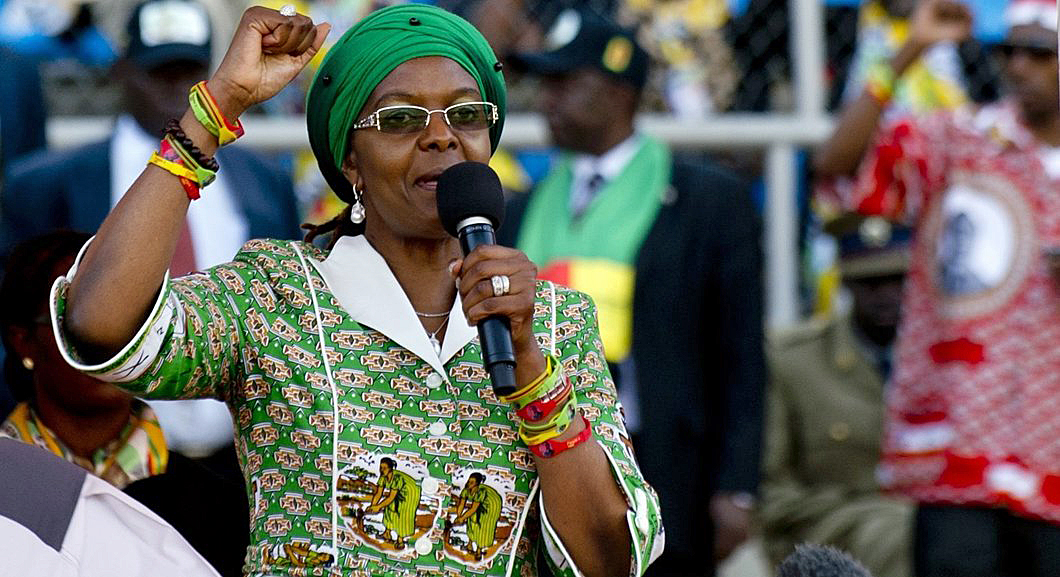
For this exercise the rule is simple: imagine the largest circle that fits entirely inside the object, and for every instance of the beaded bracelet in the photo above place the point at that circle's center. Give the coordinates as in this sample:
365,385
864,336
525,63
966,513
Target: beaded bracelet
552,447
203,176
187,146
188,178
209,115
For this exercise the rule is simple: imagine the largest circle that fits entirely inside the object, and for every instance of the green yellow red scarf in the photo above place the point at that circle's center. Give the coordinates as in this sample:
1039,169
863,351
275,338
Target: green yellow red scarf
138,452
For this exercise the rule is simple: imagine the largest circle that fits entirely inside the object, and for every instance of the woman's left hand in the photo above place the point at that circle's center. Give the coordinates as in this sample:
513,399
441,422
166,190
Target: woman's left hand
474,281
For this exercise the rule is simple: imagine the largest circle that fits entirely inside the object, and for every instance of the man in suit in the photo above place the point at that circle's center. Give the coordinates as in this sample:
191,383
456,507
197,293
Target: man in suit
824,413
168,51
22,120
669,251
22,113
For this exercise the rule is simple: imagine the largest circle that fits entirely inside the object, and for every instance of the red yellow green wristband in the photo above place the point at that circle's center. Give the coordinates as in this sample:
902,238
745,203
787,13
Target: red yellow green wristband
167,159
209,115
540,408
552,447
879,82
555,426
203,175
538,388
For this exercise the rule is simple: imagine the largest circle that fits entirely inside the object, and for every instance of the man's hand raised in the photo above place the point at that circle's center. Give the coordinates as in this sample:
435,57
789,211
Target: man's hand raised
936,21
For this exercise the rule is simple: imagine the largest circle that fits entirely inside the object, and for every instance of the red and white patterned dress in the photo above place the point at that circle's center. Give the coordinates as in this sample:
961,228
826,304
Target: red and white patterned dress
973,411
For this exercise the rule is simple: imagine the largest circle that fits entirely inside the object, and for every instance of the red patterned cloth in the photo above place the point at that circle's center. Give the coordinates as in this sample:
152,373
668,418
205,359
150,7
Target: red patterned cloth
974,407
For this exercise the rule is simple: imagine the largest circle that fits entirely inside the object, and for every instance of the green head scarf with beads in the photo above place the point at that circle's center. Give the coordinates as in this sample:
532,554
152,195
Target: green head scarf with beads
373,48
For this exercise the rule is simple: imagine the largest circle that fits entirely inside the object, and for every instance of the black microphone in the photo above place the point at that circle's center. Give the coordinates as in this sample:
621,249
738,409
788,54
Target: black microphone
820,561
471,206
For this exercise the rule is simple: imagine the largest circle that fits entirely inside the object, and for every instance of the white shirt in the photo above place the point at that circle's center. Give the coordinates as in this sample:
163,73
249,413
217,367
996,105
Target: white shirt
608,165
109,535
218,227
367,289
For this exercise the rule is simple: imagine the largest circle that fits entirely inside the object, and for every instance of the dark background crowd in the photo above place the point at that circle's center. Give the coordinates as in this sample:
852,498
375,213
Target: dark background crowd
759,432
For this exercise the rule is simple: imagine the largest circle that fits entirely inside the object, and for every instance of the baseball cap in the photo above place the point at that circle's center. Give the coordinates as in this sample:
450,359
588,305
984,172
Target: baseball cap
162,31
1029,12
870,246
582,39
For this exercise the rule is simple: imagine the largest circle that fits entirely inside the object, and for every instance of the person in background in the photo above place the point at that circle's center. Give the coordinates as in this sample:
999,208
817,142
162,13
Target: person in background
56,520
670,253
824,413
971,421
22,130
22,115
168,50
818,561
693,73
98,426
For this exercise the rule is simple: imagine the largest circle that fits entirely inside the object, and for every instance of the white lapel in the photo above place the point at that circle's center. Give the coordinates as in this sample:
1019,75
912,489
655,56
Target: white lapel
366,288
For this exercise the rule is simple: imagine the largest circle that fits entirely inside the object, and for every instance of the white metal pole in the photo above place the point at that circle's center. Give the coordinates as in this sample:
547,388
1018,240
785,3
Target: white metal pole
807,43
781,237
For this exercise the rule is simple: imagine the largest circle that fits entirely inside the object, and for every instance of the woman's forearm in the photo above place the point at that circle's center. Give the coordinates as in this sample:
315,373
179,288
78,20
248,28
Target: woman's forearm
586,508
122,270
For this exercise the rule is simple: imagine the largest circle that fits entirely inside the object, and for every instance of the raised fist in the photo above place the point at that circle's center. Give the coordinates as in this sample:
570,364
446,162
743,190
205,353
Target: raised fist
267,51
940,21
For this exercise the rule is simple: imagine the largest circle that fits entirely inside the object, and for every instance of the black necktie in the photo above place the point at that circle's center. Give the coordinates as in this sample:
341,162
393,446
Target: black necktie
592,186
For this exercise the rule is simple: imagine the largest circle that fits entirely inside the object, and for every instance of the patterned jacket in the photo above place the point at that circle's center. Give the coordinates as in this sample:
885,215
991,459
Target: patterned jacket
251,333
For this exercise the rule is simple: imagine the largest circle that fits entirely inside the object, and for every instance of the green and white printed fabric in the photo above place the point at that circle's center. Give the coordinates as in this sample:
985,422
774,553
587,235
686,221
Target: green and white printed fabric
376,490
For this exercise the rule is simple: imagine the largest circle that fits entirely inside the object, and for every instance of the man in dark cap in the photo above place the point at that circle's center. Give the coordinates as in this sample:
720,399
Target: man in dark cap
670,253
168,49
825,406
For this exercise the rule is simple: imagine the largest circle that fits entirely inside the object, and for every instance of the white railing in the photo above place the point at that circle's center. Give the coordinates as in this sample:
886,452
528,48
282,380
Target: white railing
779,135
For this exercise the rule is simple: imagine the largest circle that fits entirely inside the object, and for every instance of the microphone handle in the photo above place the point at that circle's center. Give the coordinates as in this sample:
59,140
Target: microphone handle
494,332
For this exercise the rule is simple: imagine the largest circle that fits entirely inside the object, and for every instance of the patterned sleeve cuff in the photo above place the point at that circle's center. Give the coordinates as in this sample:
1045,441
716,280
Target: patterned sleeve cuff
136,356
642,518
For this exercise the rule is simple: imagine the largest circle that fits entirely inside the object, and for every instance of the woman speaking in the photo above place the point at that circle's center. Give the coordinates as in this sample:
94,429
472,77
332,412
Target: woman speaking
354,375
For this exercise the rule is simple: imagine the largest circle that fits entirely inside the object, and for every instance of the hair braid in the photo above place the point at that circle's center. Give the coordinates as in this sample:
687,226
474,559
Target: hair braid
339,226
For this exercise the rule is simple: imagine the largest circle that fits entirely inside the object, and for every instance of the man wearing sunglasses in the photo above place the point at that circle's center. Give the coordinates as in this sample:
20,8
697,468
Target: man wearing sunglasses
972,429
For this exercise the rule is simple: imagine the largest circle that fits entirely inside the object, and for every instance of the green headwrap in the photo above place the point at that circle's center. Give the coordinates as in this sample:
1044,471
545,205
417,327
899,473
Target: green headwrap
373,48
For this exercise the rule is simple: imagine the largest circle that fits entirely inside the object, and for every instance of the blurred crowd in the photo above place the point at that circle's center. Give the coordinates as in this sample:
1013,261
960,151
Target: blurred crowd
911,419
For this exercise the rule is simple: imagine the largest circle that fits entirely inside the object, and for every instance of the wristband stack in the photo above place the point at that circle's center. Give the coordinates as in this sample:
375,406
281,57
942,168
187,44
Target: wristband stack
545,409
179,156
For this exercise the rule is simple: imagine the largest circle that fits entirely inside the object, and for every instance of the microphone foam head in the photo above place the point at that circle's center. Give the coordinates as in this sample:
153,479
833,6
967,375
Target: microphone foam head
469,189
820,561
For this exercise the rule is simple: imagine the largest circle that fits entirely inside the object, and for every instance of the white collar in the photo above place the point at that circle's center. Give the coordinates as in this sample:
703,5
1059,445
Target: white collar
609,164
364,285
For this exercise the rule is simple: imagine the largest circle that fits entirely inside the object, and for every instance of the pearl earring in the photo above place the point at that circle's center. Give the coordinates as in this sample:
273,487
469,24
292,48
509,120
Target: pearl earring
357,209
27,363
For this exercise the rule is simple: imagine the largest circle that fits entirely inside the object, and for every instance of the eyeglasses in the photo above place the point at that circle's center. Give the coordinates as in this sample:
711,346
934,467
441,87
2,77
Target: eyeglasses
407,119
1035,51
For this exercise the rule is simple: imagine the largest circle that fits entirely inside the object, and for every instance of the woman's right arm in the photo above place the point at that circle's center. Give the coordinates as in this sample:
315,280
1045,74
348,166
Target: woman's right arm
933,21
122,271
